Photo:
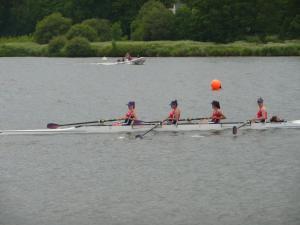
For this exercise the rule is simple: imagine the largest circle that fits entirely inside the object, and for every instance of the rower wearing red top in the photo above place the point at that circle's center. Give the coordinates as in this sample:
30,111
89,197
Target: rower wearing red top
261,115
217,114
130,116
174,115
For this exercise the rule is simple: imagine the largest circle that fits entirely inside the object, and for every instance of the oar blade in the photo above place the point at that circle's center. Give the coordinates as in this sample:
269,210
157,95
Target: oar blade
52,126
234,130
138,136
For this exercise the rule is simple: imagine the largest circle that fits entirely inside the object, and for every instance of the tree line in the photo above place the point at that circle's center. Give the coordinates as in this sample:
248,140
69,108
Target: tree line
200,20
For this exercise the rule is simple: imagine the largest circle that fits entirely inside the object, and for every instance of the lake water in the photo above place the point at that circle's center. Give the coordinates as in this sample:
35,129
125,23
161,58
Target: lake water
187,178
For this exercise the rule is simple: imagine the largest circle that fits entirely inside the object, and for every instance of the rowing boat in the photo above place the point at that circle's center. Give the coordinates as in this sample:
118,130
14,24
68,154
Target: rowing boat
89,129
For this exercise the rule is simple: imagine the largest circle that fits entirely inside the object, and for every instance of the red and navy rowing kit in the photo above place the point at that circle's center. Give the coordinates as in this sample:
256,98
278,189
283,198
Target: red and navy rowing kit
172,118
262,113
129,117
216,116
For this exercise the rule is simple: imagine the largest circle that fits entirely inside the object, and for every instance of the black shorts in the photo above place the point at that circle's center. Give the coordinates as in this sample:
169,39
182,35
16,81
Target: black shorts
174,122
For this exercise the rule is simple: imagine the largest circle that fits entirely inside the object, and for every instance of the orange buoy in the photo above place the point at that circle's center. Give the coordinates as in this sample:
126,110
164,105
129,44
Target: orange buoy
215,85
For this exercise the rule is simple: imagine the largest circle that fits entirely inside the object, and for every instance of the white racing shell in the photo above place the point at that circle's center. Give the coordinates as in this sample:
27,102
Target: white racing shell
143,128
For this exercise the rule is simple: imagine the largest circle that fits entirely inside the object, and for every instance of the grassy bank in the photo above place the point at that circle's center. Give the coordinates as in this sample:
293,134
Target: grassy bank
190,48
159,48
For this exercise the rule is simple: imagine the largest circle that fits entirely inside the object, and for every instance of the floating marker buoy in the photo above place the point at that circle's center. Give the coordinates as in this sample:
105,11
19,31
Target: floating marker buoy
215,85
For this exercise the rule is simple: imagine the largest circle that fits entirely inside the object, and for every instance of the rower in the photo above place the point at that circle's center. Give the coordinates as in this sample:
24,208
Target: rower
130,116
261,115
128,56
217,114
174,114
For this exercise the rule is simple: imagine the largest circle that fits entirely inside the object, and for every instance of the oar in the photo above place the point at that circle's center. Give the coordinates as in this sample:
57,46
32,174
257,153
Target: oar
191,119
55,125
235,128
159,123
181,120
142,135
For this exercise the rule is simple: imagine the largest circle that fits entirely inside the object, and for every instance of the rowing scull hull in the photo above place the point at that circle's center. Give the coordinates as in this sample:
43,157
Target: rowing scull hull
144,128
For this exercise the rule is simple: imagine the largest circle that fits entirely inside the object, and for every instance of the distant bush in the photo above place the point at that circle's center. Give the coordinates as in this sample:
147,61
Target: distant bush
101,26
272,38
56,45
51,26
79,47
81,30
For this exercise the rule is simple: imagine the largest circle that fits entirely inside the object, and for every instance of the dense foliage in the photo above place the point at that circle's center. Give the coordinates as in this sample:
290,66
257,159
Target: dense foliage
78,47
51,26
154,22
116,32
203,20
82,30
56,45
101,26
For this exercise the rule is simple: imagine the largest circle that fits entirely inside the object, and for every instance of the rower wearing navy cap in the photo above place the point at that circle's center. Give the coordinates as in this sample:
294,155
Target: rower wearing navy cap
261,115
130,116
174,115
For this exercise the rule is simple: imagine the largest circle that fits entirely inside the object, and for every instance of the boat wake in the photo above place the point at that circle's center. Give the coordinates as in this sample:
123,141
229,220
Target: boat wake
198,136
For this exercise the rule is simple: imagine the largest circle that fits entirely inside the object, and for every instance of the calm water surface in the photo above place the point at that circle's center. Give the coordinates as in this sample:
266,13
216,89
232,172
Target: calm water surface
165,179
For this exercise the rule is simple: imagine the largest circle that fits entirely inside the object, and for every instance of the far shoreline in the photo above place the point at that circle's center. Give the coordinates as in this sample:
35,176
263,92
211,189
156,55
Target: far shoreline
159,49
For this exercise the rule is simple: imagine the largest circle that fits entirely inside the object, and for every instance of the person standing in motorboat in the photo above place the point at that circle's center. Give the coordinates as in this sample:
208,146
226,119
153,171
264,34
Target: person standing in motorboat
128,57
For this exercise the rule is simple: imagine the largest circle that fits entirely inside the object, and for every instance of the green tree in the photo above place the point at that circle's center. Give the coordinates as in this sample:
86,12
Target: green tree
79,47
229,20
81,30
294,27
183,23
269,17
51,26
80,10
213,21
291,19
206,20
56,45
154,22
102,26
22,15
4,15
116,32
